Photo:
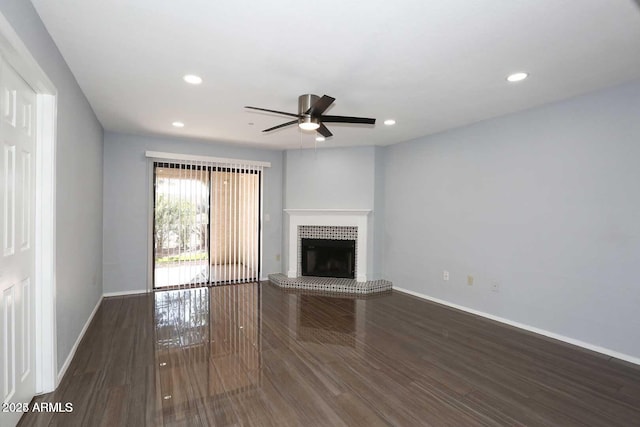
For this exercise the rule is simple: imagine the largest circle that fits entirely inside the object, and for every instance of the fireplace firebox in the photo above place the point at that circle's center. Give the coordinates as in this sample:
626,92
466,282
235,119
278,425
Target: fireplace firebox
328,258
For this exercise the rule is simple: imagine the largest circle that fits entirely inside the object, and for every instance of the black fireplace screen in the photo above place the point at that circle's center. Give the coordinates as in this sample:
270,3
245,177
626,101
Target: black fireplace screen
329,258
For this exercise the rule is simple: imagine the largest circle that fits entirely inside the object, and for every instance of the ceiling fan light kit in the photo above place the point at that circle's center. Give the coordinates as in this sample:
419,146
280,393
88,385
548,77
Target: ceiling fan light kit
308,123
310,117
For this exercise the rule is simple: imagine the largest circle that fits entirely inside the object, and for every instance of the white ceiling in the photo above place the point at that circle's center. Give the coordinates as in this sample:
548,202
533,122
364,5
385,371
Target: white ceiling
431,65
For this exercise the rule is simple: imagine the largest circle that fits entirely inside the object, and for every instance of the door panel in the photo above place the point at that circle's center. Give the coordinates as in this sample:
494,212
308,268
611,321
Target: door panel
27,197
8,342
17,257
9,203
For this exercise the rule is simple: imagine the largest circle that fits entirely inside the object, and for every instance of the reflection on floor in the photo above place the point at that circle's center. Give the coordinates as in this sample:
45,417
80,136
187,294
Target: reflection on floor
195,272
213,332
340,331
254,354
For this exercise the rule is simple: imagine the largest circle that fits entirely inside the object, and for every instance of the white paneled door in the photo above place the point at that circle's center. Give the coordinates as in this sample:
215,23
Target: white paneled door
17,254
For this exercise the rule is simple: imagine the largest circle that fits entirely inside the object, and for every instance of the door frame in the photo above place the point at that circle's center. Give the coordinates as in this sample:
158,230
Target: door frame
16,54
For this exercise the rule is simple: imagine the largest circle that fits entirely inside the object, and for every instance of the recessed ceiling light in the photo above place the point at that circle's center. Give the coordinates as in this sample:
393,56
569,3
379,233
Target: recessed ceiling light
517,77
192,79
390,122
177,124
319,138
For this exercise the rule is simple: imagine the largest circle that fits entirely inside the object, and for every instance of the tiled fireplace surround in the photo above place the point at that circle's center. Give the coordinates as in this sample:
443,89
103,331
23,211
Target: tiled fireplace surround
324,224
329,224
333,232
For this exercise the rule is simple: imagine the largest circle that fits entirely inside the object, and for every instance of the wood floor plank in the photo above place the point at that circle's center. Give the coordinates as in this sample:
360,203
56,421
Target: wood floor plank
257,355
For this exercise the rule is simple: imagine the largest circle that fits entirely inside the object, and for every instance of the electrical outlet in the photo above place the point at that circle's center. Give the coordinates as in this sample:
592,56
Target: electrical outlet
445,275
495,287
278,257
469,280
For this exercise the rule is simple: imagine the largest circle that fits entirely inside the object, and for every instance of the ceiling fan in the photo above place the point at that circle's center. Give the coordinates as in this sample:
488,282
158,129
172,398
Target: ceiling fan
310,117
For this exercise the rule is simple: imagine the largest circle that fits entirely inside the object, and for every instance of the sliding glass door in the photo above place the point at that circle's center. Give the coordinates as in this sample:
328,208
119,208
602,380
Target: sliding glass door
206,224
235,212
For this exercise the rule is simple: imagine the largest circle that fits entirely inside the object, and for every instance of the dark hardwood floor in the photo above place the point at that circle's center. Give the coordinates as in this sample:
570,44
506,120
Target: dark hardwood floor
257,355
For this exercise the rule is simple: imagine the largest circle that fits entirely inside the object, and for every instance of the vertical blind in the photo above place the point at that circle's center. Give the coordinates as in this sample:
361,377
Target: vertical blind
207,219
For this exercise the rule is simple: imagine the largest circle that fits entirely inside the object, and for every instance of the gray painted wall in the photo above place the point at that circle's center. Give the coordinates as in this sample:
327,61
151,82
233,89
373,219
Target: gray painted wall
330,178
127,190
379,211
335,178
544,202
78,182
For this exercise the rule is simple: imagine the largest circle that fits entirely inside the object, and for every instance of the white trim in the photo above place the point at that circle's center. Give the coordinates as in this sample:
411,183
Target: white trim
18,56
261,225
328,211
72,353
573,341
123,293
358,218
190,157
150,224
46,330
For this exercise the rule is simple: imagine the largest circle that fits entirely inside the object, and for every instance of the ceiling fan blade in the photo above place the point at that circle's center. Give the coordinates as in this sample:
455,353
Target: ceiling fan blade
346,119
322,130
272,111
320,105
281,126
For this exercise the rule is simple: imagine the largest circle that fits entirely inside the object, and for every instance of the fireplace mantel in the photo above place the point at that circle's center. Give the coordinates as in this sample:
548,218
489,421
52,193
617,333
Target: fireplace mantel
328,212
329,217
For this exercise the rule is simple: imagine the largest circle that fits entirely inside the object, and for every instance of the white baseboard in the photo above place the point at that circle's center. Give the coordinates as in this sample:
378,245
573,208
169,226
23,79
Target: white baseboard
588,346
72,353
122,293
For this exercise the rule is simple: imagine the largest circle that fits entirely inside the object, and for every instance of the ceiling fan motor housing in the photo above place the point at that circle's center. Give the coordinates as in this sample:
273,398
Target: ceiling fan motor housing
305,102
